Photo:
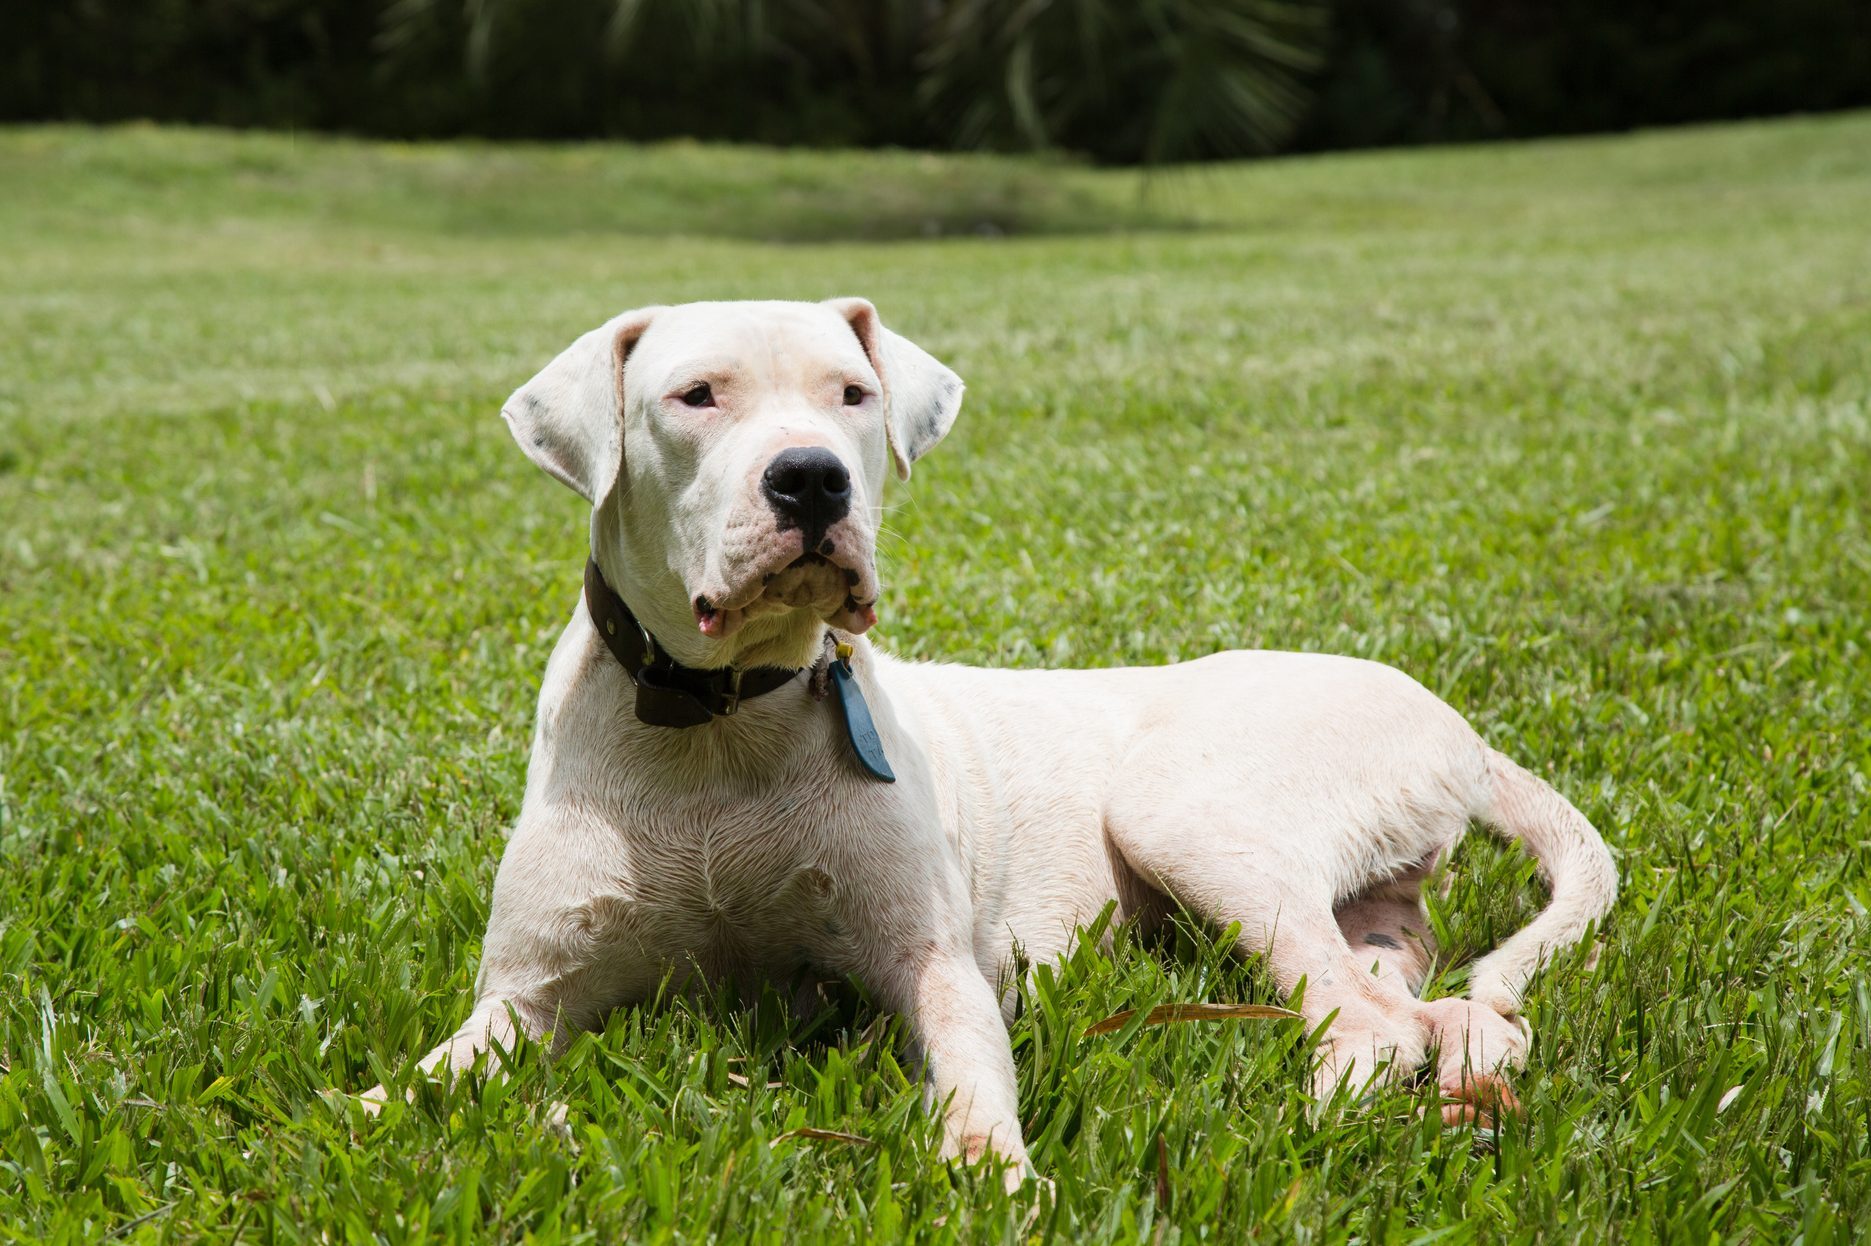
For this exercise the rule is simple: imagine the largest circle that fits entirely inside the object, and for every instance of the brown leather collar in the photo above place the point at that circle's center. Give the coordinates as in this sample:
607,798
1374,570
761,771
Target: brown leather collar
670,694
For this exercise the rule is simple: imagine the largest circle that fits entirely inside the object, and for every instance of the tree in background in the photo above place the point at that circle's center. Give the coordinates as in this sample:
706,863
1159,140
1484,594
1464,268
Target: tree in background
1121,80
1411,71
1118,80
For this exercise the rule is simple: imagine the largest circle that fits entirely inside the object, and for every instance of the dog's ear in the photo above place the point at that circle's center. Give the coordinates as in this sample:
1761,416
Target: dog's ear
570,418
921,396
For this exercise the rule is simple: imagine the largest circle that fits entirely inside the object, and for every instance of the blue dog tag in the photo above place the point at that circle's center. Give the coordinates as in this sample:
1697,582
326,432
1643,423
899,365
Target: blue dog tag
858,724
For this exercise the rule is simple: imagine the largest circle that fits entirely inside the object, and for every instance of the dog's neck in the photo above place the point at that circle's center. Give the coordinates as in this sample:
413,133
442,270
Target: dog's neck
793,639
659,600
669,693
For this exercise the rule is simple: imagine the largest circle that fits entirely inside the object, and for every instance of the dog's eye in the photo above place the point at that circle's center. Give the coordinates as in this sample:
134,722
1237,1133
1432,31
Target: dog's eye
699,395
853,395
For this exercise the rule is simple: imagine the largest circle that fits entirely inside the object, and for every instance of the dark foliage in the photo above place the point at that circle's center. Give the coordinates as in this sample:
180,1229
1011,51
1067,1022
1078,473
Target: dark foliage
1139,80
1403,71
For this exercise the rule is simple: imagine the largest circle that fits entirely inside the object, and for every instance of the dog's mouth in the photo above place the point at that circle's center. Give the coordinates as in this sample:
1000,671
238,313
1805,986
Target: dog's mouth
841,594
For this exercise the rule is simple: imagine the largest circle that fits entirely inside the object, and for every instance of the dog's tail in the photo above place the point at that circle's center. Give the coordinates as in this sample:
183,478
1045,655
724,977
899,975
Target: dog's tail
1577,867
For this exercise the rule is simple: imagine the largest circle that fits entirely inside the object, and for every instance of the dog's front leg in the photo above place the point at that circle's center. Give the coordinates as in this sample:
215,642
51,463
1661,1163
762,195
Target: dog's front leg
560,949
955,1022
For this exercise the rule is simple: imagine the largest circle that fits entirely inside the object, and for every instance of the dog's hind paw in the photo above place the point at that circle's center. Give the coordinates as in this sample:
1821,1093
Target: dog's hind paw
1481,1100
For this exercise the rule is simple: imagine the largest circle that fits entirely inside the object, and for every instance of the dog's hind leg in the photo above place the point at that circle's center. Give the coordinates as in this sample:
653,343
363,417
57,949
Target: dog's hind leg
1377,1031
1387,927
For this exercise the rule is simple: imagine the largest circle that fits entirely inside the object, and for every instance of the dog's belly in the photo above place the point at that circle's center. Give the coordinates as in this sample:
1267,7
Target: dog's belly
1223,755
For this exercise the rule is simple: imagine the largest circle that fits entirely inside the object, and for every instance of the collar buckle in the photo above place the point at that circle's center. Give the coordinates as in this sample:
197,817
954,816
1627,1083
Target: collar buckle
731,696
649,641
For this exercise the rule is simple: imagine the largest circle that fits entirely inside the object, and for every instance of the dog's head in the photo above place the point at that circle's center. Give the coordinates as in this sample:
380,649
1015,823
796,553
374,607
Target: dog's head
734,455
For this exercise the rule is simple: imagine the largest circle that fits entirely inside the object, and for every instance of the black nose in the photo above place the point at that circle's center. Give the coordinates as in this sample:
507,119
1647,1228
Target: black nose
808,488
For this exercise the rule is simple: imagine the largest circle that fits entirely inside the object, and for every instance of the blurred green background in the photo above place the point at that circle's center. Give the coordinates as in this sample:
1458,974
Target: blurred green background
1117,80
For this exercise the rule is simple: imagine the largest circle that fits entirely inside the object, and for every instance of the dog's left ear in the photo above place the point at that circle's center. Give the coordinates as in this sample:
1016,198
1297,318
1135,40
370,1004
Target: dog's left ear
570,418
921,395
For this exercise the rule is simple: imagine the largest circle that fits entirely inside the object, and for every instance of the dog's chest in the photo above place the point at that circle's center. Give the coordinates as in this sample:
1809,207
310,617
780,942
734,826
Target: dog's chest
732,884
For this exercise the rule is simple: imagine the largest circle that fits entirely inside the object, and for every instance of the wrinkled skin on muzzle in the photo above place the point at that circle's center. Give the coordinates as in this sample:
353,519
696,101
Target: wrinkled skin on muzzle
740,557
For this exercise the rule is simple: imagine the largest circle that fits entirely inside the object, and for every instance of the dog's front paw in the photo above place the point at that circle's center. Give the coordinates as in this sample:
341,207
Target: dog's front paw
371,1100
987,1148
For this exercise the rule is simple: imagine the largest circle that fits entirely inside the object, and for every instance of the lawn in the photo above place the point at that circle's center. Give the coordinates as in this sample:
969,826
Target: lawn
1578,433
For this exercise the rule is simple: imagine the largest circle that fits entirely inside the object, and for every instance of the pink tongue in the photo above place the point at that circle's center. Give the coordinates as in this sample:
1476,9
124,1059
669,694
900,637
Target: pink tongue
711,623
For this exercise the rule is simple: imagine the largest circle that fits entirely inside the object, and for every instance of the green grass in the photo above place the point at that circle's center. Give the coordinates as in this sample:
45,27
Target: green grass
1577,433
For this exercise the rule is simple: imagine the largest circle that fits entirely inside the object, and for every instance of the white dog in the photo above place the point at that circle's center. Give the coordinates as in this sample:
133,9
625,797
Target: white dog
697,804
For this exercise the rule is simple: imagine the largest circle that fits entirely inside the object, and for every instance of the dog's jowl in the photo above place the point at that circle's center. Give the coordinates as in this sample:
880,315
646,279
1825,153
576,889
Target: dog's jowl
697,806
